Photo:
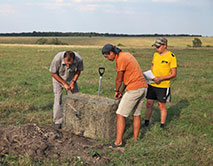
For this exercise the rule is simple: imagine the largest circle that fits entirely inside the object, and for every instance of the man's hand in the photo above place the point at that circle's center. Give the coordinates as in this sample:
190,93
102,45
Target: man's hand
60,80
117,95
72,85
67,87
157,79
168,77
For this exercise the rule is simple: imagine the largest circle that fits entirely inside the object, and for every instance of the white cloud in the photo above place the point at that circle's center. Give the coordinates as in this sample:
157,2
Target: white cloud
183,1
80,5
89,7
53,6
111,11
188,3
165,1
59,1
6,10
82,1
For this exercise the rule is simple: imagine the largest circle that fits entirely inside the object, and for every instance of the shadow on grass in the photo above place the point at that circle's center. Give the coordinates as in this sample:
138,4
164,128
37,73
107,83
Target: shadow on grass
173,112
48,106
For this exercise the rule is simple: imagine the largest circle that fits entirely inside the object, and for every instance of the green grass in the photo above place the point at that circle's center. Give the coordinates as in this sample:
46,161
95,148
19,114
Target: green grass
26,96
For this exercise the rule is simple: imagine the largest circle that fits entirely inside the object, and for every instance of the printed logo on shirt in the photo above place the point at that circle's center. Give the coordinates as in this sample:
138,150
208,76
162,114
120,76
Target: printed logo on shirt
164,61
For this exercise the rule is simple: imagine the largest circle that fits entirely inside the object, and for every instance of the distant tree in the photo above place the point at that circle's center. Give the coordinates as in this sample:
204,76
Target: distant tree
120,45
56,41
92,34
41,41
197,42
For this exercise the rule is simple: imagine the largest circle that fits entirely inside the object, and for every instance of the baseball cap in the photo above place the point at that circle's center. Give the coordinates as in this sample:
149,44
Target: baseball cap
160,41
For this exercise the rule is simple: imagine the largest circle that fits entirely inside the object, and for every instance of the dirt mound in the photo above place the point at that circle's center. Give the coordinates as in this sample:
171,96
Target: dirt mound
46,142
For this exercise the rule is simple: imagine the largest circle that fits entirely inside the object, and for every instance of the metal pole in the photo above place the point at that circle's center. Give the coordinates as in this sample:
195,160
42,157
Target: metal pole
99,86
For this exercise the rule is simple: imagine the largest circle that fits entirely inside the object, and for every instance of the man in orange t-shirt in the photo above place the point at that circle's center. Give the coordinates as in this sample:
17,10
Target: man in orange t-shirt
129,73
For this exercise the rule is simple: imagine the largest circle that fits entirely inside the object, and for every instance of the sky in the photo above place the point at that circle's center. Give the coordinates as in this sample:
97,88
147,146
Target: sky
108,16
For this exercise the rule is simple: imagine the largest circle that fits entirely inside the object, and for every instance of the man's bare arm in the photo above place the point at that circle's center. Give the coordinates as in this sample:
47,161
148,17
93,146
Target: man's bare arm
60,80
168,77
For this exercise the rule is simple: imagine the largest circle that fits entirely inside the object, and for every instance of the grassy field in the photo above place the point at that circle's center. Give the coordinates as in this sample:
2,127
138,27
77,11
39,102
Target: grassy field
26,96
100,41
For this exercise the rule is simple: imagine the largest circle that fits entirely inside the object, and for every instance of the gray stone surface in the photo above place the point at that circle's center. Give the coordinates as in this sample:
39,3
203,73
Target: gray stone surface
90,116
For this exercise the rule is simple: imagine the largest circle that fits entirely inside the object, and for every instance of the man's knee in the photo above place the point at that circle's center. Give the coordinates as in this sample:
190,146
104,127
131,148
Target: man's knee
136,117
162,106
149,103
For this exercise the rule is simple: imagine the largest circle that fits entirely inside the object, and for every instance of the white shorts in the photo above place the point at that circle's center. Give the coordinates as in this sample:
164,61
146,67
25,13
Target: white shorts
132,101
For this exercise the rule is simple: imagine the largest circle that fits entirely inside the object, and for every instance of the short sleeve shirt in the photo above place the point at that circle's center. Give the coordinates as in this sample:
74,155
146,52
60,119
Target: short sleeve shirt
59,67
133,77
162,65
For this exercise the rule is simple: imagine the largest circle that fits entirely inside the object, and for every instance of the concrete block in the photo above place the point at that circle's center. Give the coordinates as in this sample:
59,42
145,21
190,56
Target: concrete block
90,116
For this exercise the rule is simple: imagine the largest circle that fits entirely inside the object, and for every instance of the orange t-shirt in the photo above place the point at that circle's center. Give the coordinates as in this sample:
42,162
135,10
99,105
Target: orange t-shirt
133,77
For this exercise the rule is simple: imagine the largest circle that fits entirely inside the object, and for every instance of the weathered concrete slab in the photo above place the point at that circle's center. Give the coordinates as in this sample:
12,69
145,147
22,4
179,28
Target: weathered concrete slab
90,116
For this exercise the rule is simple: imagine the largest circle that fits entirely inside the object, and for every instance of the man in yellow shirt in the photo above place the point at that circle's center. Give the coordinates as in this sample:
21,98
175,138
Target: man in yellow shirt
164,68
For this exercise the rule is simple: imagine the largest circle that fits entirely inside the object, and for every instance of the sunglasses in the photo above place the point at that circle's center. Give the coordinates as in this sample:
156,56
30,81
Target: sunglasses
159,46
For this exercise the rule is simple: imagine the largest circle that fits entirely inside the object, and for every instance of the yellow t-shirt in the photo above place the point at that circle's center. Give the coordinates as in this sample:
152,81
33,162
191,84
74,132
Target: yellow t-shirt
162,65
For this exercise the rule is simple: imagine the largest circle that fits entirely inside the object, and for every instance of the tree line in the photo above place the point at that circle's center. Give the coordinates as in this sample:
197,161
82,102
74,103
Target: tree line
92,34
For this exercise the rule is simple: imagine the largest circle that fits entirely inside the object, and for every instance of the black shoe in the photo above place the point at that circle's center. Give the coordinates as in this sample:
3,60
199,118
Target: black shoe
146,123
162,126
57,126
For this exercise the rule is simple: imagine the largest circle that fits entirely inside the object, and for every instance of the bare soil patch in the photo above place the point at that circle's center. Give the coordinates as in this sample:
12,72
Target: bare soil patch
47,142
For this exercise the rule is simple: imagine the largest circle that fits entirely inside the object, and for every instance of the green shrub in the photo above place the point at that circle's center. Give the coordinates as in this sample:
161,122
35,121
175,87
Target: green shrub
197,42
41,41
54,41
120,45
